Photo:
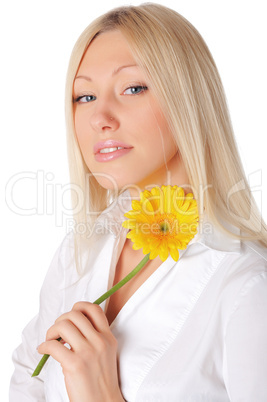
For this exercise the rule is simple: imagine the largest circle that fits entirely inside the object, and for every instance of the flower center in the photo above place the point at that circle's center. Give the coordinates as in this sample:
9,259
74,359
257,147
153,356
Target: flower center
164,227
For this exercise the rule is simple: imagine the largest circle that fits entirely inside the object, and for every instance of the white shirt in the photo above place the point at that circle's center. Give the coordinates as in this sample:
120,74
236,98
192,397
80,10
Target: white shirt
195,331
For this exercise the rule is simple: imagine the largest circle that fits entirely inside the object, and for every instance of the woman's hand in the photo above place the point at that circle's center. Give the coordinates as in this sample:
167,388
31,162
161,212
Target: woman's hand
90,365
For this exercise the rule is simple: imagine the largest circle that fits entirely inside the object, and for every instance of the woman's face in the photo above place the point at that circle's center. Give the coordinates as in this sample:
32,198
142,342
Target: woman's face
123,136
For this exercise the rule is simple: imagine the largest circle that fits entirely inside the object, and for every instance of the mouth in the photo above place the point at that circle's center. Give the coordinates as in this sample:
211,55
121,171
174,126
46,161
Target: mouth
109,150
109,146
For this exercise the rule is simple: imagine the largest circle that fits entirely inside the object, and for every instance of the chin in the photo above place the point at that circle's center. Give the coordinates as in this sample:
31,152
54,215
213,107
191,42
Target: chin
116,185
106,181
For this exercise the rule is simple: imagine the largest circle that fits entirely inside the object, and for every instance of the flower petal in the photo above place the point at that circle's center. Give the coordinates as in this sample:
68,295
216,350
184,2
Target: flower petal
162,222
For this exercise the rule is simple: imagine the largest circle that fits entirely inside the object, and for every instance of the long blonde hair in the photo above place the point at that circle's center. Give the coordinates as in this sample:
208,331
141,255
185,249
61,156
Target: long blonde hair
179,64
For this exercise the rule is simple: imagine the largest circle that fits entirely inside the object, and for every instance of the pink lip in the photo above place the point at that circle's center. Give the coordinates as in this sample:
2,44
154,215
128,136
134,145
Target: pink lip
112,155
102,157
109,144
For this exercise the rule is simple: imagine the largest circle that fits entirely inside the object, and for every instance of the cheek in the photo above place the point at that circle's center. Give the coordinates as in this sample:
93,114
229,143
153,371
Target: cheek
160,137
170,145
167,137
82,134
79,125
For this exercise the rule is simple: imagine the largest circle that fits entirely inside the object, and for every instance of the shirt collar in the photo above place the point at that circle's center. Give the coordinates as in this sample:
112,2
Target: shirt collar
216,237
208,235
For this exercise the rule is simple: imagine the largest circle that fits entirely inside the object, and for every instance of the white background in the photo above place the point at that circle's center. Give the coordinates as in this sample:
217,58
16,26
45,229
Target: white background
36,41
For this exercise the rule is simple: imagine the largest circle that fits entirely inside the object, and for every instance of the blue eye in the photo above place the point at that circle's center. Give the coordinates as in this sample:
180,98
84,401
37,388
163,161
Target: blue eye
135,90
85,98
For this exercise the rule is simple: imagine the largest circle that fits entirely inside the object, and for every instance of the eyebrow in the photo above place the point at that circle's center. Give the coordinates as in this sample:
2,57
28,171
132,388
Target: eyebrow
116,71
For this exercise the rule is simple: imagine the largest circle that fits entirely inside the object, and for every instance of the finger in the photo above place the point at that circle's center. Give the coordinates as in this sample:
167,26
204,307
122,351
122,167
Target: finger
95,314
69,333
80,321
57,350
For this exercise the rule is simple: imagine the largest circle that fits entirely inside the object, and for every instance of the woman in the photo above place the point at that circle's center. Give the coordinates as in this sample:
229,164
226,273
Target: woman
145,106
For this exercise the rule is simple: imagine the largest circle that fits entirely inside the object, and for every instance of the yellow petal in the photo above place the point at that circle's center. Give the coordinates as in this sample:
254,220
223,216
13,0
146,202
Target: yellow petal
166,207
174,254
154,242
128,224
163,253
154,253
136,205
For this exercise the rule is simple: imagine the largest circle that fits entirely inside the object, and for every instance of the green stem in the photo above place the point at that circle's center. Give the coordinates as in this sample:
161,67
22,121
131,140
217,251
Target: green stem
99,301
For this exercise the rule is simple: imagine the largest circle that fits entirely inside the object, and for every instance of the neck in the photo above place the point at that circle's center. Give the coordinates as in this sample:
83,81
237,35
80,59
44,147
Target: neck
173,174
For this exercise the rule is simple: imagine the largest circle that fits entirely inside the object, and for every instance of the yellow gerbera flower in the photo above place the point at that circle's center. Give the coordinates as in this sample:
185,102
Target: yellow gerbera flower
162,222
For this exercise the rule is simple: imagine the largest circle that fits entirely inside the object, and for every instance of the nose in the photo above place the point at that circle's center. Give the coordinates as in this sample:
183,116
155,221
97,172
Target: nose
103,119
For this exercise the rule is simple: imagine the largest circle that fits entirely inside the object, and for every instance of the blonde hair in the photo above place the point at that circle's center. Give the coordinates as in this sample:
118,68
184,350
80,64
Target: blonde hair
179,64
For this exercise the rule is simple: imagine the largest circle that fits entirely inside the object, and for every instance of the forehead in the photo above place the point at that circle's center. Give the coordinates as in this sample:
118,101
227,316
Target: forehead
107,50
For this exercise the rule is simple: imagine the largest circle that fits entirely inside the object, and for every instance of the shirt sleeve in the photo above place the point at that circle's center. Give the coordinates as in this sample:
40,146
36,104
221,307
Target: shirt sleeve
245,354
23,387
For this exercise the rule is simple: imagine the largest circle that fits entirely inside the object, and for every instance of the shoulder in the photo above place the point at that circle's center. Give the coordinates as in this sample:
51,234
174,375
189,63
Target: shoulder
255,250
245,329
246,267
62,262
249,262
252,268
238,258
241,268
244,280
